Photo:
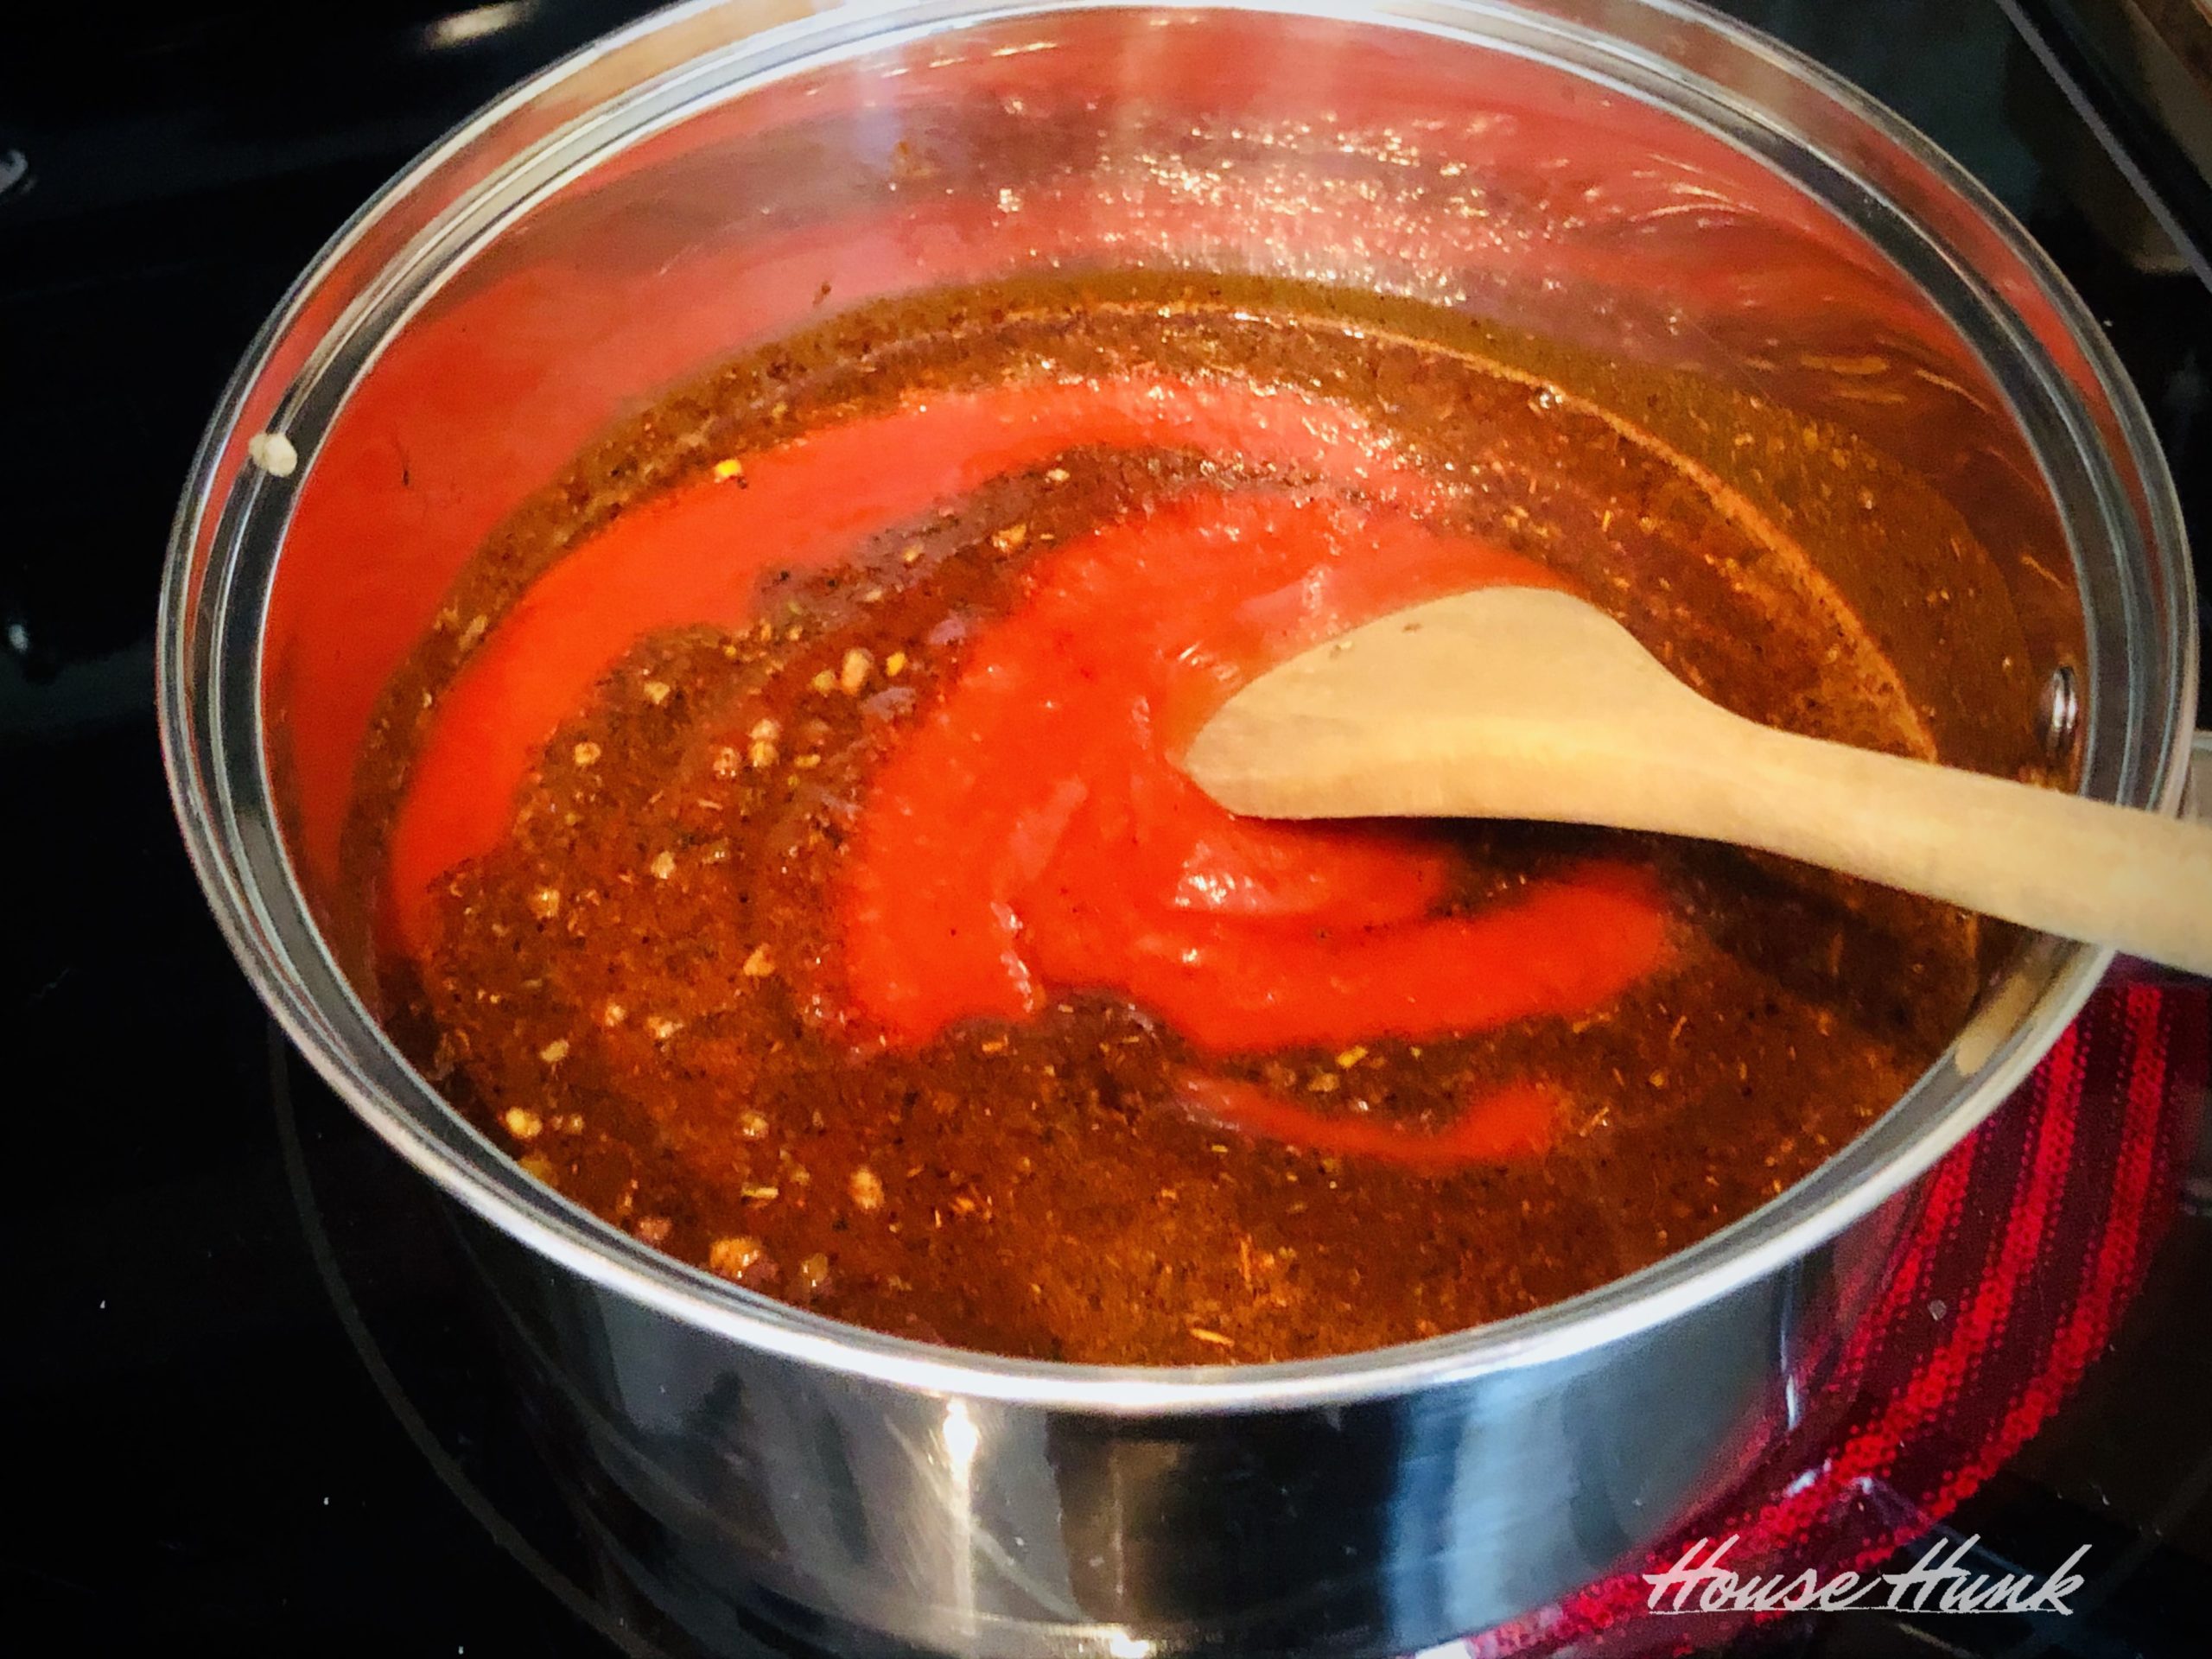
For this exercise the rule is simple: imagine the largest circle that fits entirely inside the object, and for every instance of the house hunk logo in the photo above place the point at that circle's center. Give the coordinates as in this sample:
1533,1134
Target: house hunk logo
1699,1583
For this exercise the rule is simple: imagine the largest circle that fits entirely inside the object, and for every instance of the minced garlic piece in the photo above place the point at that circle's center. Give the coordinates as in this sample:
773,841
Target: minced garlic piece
657,692
554,1051
853,672
730,1258
728,469
662,866
867,1188
760,963
523,1123
586,753
273,453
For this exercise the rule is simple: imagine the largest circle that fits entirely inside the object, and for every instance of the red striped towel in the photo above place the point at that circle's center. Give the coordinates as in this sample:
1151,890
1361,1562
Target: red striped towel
2032,1236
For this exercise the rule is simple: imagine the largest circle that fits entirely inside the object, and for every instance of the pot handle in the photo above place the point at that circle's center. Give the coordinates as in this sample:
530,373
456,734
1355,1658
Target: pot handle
2197,793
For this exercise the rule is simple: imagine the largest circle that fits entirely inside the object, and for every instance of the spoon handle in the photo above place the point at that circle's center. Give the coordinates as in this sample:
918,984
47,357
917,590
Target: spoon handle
2053,862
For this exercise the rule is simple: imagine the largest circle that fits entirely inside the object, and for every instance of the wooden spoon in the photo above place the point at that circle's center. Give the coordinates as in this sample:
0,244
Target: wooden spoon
1521,702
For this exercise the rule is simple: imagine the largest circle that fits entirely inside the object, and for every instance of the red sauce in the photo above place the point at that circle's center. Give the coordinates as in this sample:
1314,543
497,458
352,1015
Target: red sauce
780,843
1519,1120
696,556
1033,835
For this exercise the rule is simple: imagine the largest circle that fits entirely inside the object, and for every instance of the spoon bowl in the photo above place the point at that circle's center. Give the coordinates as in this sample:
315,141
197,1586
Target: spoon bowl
1523,702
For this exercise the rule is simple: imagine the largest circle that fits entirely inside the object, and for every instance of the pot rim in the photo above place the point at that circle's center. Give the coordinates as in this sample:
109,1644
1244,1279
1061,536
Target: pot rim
259,903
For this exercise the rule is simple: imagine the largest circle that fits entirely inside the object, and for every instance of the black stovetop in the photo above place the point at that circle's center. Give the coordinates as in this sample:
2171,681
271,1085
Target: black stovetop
244,1420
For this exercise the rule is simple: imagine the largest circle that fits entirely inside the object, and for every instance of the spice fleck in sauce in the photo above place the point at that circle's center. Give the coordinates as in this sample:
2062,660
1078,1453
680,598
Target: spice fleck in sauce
786,855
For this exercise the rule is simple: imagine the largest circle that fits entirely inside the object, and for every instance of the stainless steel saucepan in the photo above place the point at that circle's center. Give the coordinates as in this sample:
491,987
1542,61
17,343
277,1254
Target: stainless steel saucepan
1635,177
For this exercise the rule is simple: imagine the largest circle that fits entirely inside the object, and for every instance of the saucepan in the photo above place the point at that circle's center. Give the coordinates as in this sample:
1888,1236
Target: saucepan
1639,178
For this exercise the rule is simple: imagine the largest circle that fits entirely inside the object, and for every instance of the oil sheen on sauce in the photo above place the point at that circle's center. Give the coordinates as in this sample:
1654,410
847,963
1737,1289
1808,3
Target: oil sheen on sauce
790,861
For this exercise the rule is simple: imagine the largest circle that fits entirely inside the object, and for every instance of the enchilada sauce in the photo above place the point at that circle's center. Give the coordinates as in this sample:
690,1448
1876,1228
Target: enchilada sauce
778,845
